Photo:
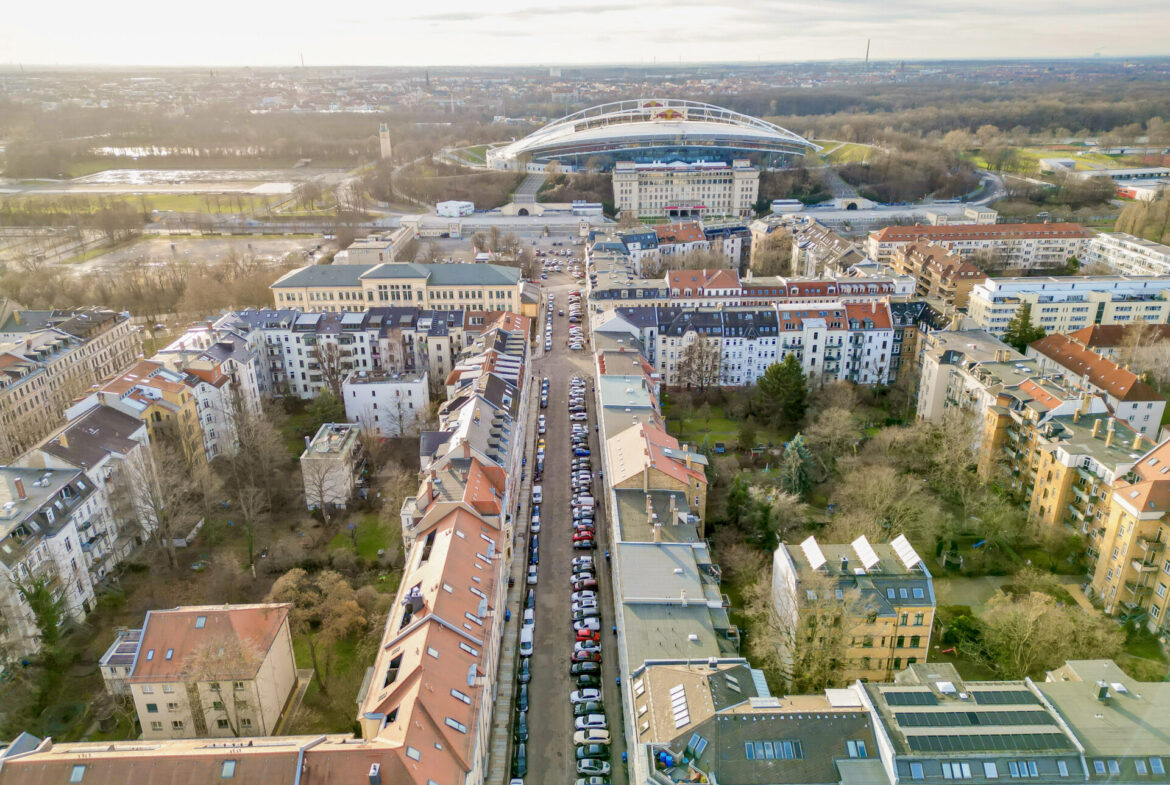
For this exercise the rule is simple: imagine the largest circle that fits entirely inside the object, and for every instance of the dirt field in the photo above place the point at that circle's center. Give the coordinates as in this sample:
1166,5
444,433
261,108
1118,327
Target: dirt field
151,250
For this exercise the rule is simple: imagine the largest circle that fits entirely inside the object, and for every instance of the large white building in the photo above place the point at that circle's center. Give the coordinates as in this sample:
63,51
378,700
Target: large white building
1066,303
685,190
386,404
1012,246
1128,255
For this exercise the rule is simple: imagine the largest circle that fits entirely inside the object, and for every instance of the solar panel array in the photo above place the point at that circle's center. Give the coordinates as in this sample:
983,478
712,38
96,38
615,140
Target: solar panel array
910,698
1004,697
981,742
970,719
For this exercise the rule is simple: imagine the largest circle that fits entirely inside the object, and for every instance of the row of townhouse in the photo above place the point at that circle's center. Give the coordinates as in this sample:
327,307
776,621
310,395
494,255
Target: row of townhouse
614,282
839,341
302,352
425,711
1067,303
67,518
939,274
1042,246
49,357
663,241
353,288
694,710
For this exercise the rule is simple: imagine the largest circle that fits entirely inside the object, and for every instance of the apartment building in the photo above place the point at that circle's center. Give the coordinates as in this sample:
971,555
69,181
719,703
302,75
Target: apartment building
645,456
1132,574
377,248
206,671
1062,456
1067,303
938,274
685,190
1111,340
1125,254
1010,246
353,288
331,465
46,517
819,251
386,404
47,358
303,353
1128,397
882,595
159,397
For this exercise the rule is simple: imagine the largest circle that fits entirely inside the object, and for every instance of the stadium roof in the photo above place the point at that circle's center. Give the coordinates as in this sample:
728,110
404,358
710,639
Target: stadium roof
650,123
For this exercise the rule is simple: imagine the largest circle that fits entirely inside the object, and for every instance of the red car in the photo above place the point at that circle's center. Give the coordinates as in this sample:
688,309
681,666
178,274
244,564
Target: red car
579,536
586,656
585,585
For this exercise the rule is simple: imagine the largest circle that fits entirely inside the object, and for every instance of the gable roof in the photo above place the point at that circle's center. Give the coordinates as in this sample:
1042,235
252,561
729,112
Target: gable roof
1099,371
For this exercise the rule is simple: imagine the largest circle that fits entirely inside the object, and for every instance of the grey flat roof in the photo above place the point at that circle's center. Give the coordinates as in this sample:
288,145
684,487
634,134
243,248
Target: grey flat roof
323,275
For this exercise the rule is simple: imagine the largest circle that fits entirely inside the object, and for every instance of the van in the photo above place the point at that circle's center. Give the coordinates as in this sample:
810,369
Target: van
526,640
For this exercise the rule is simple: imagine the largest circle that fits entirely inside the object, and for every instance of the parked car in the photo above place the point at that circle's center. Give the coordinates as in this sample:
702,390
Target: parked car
590,721
583,545
587,583
587,708
526,639
583,595
583,696
584,605
521,731
587,624
586,645
525,674
537,494
531,574
587,781
582,561
520,760
522,698
579,668
530,599
591,736
594,751
587,680
593,766
588,655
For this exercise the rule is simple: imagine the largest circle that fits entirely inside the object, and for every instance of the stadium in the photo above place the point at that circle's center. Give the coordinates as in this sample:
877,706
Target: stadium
649,131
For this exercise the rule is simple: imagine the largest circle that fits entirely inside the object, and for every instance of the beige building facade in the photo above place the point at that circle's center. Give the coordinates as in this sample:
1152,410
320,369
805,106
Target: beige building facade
686,190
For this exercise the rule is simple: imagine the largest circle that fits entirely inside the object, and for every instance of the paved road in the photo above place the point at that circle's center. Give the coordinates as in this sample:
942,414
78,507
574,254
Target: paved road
550,747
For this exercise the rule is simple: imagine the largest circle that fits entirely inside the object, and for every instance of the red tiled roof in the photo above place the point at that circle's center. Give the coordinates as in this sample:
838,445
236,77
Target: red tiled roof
253,626
689,232
878,313
1109,335
1101,372
902,234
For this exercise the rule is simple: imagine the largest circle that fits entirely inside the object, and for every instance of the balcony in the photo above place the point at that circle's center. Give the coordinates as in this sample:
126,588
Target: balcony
1149,546
1137,589
1143,566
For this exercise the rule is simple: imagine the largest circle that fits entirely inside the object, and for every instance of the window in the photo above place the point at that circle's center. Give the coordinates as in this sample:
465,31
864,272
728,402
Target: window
229,770
918,619
172,707
1062,767
1156,766
170,654
1114,767
413,754
238,686
459,726
176,724
856,749
78,773
461,696
156,726
221,723
956,771
149,655
168,689
990,771
147,689
200,623
217,705
916,771
1140,765
245,722
152,708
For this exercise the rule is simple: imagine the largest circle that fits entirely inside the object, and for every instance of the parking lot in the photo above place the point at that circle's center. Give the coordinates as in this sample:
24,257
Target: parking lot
549,748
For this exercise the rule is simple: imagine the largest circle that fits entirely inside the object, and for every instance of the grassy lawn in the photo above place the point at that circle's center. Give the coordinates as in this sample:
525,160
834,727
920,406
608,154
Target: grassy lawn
477,153
332,711
295,429
846,153
370,536
719,427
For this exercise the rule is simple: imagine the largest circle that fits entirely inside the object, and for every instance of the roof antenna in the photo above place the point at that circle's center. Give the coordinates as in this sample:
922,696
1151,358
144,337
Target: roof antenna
867,54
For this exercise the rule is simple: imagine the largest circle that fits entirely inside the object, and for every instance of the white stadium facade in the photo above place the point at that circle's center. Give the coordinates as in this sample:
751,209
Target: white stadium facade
651,130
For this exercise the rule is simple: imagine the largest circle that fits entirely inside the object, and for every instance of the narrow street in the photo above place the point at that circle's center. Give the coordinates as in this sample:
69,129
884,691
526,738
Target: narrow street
550,721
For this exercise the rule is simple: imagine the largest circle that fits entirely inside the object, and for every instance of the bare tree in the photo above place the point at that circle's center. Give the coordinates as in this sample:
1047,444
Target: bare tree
325,482
331,366
221,661
700,363
772,254
157,490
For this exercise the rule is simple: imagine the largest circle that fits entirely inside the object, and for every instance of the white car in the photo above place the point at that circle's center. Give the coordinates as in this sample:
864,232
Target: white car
584,605
531,574
537,494
587,646
591,736
526,635
529,617
584,696
583,595
578,416
582,561
535,526
591,721
593,624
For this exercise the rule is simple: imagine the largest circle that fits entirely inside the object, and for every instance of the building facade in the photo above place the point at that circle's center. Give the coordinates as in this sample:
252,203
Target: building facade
938,274
1125,254
48,358
685,190
386,404
1007,246
1067,303
330,465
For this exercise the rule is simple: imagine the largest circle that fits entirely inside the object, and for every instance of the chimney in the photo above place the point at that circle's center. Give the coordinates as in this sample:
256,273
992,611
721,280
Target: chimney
1109,432
1103,692
307,442
1137,442
687,455
844,565
657,532
466,449
1096,429
646,480
63,440
375,774
683,597
20,492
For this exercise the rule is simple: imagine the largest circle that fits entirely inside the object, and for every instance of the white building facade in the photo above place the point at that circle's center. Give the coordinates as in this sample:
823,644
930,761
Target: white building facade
686,190
386,404
1128,255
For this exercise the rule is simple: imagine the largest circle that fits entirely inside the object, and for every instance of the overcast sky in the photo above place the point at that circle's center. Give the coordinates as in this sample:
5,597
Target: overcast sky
501,32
